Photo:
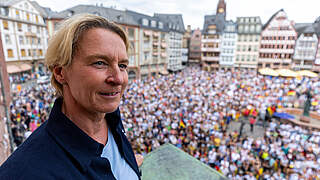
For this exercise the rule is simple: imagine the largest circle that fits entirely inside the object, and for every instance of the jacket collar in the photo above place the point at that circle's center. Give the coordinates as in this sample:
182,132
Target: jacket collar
72,139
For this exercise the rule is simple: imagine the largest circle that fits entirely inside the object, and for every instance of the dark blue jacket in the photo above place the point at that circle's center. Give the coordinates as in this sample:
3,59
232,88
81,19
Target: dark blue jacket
58,149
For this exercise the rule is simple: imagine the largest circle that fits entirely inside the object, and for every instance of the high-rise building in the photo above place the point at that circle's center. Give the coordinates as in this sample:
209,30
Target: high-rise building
247,50
278,39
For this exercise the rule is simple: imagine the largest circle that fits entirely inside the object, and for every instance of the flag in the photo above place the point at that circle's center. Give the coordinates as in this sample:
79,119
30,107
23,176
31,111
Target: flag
182,124
291,93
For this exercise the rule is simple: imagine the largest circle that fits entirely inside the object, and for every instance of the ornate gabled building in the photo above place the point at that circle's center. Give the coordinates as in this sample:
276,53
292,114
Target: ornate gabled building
211,37
228,46
247,50
278,39
316,65
175,26
24,35
186,46
195,47
306,47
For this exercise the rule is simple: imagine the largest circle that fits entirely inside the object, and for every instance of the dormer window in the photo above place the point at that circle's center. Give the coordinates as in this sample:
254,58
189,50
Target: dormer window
70,13
96,13
160,25
145,22
153,23
120,18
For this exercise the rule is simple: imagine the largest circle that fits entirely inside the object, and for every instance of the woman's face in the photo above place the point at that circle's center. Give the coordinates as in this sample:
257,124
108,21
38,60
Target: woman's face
97,77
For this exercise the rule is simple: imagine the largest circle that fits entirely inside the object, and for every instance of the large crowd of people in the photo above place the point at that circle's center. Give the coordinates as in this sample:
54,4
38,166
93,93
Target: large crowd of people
192,110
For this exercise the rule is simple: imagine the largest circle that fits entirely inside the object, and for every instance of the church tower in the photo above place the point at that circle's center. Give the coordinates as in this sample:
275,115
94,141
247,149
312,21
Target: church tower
221,8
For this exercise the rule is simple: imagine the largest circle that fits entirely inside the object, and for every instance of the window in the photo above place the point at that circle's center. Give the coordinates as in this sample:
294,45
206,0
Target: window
38,29
21,40
153,23
17,14
29,28
39,40
131,33
10,53
39,52
145,22
37,19
29,52
23,53
5,24
19,26
28,17
4,11
7,39
160,25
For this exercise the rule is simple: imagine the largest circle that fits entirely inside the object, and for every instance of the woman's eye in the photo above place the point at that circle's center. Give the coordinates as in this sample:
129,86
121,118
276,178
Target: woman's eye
99,63
123,66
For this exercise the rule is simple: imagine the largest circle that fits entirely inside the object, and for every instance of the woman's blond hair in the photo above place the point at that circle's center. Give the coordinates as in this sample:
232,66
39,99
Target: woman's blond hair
65,42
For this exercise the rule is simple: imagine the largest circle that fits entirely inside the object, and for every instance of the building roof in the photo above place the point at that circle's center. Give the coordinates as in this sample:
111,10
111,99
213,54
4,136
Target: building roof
170,163
44,11
8,2
230,23
218,20
138,19
174,22
274,15
112,14
304,28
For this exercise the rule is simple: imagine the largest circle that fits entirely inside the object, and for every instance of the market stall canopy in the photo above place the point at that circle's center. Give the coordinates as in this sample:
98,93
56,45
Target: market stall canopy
307,73
15,68
287,73
268,72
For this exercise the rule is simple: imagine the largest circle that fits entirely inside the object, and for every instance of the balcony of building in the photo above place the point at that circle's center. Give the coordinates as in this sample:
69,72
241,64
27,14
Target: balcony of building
210,40
210,49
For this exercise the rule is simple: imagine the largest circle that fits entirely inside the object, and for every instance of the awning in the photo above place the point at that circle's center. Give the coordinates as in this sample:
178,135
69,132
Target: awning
25,67
15,68
268,71
287,73
307,73
12,68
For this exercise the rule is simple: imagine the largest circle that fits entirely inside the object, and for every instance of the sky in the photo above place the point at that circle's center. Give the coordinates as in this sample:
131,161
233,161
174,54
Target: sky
193,11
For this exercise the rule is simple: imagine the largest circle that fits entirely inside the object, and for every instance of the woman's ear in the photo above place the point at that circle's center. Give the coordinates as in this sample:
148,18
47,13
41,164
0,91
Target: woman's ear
59,74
